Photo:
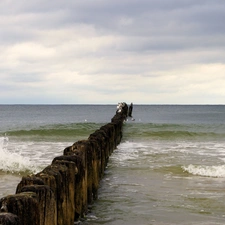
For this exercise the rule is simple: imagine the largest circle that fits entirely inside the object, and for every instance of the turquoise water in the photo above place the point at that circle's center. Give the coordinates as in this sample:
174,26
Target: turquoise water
168,169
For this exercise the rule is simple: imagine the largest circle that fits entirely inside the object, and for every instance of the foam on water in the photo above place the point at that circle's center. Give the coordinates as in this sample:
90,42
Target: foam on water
206,171
14,162
128,151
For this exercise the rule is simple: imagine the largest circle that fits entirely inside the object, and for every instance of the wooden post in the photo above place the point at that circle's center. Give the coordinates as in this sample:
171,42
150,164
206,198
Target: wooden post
24,205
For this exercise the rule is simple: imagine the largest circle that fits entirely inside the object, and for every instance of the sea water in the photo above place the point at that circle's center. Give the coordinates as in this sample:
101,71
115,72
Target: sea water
168,169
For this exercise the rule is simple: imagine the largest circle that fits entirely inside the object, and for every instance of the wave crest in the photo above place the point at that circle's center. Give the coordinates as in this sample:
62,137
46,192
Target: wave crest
206,171
14,162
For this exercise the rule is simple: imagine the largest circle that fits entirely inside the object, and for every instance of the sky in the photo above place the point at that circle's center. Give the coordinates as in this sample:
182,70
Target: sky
105,52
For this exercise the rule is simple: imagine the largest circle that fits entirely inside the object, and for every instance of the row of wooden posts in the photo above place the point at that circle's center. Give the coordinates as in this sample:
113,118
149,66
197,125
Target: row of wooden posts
61,193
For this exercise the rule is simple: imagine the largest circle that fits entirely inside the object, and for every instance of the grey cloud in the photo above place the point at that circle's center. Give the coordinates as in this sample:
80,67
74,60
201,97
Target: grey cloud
144,13
25,6
149,17
171,43
168,25
42,39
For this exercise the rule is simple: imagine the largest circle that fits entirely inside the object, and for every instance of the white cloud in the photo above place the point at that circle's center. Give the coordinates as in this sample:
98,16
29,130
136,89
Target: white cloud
105,52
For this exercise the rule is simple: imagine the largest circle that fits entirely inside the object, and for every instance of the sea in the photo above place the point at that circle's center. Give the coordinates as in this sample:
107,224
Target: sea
169,168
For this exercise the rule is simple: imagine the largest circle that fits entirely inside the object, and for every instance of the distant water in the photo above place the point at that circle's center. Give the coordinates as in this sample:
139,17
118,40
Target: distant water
168,169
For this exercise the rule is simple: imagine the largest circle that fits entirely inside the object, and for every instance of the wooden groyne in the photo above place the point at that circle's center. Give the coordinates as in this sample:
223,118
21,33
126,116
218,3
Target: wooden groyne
61,192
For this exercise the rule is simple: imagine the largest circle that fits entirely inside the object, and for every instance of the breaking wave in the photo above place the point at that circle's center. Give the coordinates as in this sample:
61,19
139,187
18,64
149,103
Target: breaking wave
206,171
14,162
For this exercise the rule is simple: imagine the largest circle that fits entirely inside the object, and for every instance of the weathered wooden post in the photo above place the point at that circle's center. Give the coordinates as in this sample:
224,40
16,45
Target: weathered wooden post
24,205
8,219
55,176
109,129
29,180
46,202
79,151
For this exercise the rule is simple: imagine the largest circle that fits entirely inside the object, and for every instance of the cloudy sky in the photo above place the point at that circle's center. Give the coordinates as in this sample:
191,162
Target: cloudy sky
105,52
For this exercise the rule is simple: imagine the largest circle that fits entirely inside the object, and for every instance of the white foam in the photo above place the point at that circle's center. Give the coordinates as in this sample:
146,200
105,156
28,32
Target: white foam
12,161
128,152
207,171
